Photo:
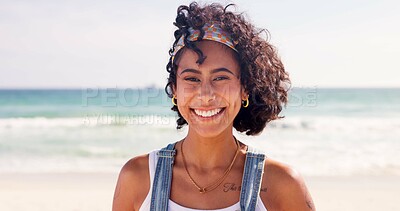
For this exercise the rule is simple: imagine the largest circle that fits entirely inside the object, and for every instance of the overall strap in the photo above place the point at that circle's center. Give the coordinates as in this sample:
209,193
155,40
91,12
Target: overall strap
162,179
252,177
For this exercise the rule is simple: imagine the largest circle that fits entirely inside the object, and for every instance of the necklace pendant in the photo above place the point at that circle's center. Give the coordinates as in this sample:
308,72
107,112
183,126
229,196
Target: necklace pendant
218,182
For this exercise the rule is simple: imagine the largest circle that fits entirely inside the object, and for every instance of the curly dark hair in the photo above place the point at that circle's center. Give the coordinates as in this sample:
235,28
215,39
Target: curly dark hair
262,73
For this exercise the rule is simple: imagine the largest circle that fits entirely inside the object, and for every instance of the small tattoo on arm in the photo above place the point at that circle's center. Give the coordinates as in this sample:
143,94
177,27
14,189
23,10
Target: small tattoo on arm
310,205
308,199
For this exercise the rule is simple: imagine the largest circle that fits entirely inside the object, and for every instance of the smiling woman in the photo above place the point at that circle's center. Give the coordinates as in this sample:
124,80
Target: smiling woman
222,75
209,95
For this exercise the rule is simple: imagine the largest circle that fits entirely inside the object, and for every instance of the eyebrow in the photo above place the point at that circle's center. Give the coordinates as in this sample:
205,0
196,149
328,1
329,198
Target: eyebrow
221,69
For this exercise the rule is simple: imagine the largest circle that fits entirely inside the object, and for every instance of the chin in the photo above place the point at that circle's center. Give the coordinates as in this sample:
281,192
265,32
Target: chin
207,132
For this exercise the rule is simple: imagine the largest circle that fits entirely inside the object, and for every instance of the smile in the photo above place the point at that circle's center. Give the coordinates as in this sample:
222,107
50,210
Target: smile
208,113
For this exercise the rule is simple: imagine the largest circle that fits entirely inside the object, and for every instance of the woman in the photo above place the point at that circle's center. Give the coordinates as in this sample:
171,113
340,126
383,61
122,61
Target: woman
222,75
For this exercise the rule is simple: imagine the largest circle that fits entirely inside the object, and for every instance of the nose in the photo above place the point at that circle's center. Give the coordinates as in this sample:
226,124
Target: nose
206,94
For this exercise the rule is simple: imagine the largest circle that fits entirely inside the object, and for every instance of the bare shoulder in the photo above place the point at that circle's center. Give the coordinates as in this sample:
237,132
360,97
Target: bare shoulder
133,184
136,165
286,189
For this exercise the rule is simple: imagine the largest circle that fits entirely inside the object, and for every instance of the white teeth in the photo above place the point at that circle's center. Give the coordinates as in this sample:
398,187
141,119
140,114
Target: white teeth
207,113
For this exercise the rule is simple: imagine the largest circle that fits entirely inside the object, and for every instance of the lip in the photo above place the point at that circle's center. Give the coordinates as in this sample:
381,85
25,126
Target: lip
207,109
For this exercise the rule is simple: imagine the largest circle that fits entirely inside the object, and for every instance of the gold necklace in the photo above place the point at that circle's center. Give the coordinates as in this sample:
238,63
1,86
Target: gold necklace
218,182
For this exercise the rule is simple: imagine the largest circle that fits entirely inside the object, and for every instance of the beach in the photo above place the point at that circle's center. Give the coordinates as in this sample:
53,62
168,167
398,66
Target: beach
57,191
94,191
355,193
83,91
62,150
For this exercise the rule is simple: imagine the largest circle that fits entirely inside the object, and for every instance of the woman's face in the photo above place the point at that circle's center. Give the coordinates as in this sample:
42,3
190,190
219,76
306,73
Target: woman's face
209,95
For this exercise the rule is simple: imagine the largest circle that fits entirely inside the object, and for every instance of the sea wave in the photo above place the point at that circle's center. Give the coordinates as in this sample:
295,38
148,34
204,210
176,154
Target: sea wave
330,123
95,120
315,145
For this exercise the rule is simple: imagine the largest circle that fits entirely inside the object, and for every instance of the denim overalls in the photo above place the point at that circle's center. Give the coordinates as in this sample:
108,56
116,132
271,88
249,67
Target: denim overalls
251,182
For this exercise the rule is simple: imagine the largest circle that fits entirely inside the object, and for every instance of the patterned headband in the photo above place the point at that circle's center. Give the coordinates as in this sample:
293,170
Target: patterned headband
211,32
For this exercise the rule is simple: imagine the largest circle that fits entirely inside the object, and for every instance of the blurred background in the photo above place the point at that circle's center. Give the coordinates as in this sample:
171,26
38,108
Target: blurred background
82,91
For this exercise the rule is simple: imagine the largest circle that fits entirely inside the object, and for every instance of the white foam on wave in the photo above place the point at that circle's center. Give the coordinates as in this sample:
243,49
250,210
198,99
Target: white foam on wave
315,145
335,146
88,121
337,123
331,123
40,122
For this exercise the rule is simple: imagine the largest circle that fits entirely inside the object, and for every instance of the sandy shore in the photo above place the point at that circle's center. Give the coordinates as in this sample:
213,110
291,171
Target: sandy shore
355,193
94,191
61,192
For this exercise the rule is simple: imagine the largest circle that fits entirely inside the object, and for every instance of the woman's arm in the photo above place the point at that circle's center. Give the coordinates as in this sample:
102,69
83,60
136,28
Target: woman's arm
133,184
286,189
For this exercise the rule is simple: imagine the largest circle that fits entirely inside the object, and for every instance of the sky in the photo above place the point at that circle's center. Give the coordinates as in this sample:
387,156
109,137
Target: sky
117,44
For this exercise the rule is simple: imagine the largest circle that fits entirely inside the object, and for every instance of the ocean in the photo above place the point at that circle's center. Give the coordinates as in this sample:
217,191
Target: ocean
325,132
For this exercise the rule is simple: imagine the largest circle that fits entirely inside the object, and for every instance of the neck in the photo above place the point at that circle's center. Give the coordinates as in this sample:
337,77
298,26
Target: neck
207,153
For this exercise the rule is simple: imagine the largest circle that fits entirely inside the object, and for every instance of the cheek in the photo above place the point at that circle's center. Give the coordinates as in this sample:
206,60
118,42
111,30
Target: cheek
185,92
233,91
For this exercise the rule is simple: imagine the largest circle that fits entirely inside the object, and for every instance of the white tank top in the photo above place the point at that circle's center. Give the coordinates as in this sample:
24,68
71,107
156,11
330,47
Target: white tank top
172,206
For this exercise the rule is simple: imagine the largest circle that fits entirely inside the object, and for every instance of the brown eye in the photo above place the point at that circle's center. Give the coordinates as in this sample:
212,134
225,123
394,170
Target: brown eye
220,78
192,79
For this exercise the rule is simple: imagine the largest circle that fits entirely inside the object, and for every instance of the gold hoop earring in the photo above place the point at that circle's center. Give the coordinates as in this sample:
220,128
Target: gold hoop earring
246,103
173,100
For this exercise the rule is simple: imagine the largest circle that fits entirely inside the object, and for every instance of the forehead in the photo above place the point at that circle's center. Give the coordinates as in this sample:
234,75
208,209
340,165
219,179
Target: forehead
217,55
